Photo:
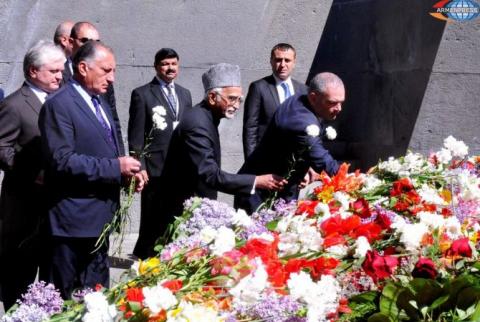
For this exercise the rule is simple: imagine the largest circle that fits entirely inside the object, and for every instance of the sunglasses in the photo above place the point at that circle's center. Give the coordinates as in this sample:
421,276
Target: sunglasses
85,39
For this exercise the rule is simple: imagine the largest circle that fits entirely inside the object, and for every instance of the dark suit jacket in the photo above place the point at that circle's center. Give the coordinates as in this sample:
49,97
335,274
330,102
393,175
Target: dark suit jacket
1,94
193,164
287,146
261,102
83,174
109,96
140,133
21,160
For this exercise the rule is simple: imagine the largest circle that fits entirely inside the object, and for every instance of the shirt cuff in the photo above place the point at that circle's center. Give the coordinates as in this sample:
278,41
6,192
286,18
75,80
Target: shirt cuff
252,192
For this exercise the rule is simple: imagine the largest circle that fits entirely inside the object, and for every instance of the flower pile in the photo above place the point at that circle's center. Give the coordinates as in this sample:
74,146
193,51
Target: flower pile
399,243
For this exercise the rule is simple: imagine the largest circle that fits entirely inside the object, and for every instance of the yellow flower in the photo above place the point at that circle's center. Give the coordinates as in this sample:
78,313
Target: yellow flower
326,194
149,266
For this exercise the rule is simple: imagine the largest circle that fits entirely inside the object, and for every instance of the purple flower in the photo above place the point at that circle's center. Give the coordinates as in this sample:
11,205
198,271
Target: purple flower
271,307
26,313
46,297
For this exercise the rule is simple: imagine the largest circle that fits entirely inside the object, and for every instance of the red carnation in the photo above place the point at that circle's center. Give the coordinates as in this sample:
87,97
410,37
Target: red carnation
379,267
361,207
425,268
383,220
370,230
173,285
306,206
461,247
134,294
333,239
401,186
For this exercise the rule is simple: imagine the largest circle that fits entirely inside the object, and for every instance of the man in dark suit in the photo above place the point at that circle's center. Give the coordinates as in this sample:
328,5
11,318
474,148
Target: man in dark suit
22,200
293,141
62,38
264,95
80,33
192,167
85,169
150,144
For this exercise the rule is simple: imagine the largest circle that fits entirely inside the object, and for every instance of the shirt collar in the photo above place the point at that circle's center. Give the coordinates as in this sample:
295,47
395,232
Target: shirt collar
41,94
164,83
278,81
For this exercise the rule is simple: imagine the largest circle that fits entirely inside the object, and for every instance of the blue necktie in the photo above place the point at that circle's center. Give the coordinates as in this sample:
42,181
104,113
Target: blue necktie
286,90
98,114
171,99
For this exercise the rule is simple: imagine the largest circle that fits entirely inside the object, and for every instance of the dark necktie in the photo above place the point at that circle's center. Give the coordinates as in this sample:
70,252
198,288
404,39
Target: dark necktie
171,99
286,90
98,114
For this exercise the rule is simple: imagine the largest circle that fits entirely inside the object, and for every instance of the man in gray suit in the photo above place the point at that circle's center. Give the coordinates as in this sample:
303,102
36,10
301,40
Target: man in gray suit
22,196
264,95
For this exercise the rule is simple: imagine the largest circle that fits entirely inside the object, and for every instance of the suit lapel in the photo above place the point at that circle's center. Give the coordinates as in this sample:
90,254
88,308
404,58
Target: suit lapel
272,86
31,99
181,101
78,99
158,93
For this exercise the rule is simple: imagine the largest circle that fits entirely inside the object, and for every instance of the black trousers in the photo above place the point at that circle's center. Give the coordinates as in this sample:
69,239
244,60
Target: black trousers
153,223
74,265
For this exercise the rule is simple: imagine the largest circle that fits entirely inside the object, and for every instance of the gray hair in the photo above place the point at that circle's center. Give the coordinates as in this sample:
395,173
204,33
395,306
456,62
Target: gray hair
217,90
88,53
63,29
43,52
324,80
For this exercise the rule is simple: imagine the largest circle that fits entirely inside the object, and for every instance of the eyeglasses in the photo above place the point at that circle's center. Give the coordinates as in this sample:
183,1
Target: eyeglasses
85,39
232,99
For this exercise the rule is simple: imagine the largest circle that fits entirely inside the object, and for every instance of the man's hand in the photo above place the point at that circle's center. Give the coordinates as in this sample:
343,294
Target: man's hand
270,182
310,176
129,166
139,181
144,175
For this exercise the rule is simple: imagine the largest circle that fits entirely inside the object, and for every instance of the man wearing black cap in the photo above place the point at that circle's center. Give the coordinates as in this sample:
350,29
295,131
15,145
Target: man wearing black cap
192,167
148,142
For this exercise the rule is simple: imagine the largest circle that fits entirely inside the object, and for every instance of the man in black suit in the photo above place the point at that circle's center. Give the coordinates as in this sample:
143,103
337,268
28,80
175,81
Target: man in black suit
82,32
149,143
85,170
62,38
293,140
192,167
22,200
264,95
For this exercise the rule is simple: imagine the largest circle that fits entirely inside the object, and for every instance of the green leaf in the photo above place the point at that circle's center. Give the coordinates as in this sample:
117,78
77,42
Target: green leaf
380,317
366,297
388,300
272,225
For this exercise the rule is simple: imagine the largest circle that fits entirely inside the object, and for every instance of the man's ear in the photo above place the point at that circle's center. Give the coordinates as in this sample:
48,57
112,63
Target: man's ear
82,68
212,98
32,71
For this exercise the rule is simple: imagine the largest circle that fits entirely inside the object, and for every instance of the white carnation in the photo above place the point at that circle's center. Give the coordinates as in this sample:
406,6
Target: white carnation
391,165
158,298
430,195
207,234
159,122
159,110
337,251
432,220
343,199
224,241
444,156
362,246
331,133
312,130
241,219
453,228
458,148
249,289
187,311
412,235
298,234
98,309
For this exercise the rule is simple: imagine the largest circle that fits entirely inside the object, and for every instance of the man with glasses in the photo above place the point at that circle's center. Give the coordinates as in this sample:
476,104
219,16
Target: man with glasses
163,91
192,167
61,38
264,95
293,140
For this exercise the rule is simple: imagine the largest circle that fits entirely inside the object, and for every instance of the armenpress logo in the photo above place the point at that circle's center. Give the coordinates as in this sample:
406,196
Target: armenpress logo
459,10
